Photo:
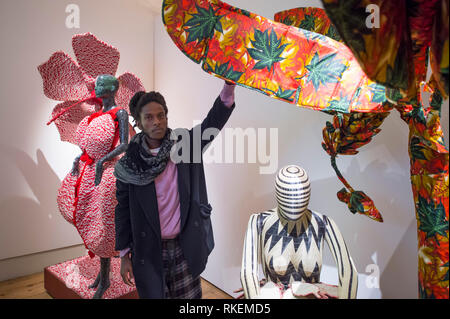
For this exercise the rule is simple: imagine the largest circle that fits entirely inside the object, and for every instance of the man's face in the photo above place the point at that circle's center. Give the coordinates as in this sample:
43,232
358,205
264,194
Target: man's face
153,120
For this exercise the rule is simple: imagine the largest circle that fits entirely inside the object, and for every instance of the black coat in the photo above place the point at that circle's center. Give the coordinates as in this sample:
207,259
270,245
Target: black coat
137,217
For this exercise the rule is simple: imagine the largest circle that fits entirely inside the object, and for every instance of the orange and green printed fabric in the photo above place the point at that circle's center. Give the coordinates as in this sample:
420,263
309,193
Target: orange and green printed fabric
287,63
347,132
344,136
429,180
410,34
394,52
311,19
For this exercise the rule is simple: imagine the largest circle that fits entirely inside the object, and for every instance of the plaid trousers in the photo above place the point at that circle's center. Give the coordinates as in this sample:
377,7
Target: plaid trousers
179,283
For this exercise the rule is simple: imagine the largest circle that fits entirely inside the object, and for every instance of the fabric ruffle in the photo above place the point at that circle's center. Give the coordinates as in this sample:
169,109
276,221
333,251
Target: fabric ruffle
72,82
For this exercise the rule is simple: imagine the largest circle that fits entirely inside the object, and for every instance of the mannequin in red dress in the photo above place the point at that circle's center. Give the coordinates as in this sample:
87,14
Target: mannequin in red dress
87,194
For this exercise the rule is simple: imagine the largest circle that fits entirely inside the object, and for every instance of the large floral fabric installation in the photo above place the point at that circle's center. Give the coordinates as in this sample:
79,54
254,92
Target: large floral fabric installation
301,65
429,160
344,136
72,82
395,53
264,56
81,121
416,30
348,131
297,66
310,19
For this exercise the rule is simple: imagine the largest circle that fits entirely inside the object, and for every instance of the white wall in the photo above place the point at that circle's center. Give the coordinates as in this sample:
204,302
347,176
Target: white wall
33,160
381,169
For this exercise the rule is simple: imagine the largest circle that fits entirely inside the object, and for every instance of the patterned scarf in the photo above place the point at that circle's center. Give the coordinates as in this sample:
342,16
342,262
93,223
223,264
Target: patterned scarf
138,166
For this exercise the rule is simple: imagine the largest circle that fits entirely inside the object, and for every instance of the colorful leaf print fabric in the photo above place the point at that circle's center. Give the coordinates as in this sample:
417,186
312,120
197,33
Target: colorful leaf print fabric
348,132
396,54
310,67
439,47
344,136
311,19
429,160
287,63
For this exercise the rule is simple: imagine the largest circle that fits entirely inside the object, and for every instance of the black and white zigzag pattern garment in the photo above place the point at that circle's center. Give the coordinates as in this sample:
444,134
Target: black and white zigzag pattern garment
292,251
288,241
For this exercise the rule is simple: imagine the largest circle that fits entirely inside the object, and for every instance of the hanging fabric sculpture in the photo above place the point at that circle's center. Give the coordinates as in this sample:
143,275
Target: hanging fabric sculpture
297,66
80,121
348,131
309,70
344,136
413,31
287,63
394,53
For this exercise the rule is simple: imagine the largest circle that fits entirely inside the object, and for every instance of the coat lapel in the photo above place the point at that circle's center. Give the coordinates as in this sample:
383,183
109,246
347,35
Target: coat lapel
147,199
184,191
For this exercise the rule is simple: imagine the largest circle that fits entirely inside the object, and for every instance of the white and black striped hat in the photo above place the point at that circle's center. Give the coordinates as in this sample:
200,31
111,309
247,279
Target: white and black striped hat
292,191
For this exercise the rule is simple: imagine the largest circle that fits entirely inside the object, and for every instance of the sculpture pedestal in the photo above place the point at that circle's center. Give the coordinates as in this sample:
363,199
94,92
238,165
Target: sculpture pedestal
71,280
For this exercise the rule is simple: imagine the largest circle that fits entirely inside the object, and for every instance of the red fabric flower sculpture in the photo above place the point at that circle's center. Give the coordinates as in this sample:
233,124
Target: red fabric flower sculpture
73,83
80,120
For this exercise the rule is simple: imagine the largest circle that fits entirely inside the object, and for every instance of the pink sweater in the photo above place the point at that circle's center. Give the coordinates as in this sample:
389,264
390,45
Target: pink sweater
166,185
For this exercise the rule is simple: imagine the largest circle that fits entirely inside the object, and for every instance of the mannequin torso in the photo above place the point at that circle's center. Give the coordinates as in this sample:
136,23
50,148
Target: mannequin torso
292,249
288,242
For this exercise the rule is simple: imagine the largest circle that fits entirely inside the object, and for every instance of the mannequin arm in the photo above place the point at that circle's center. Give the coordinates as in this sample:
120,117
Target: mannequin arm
348,276
76,162
249,266
122,117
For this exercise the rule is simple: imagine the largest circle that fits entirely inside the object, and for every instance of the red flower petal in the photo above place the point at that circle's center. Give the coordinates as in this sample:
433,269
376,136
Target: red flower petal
63,78
67,123
129,85
95,57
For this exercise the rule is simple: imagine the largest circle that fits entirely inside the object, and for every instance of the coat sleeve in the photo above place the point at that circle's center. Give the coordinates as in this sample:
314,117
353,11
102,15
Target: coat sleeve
122,217
216,119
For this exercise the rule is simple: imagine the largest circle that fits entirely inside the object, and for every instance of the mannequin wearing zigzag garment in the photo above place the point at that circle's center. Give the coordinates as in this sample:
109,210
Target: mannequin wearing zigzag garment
288,242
